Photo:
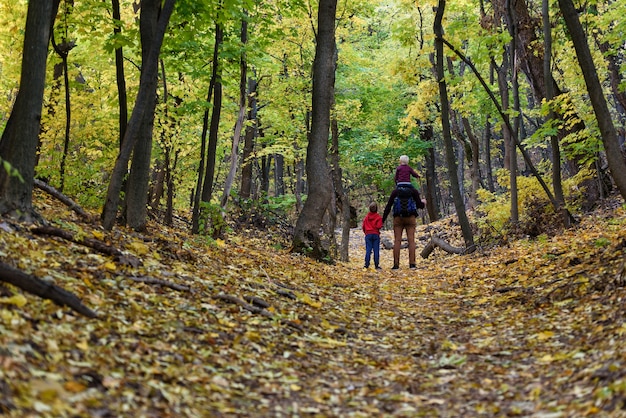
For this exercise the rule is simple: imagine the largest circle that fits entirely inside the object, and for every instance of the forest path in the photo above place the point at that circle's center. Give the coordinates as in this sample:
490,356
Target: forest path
237,328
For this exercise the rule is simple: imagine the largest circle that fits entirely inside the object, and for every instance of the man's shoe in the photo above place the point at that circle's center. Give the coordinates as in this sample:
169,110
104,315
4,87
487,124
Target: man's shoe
412,266
395,268
379,268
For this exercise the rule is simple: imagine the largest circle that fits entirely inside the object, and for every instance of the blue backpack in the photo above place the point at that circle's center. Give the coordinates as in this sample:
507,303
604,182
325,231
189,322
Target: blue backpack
404,204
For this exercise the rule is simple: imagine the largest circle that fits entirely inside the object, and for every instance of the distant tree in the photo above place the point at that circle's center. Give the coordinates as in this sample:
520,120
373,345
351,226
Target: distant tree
306,237
18,145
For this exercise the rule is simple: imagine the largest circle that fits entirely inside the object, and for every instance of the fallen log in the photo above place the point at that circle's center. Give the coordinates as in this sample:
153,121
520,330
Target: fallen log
43,289
440,243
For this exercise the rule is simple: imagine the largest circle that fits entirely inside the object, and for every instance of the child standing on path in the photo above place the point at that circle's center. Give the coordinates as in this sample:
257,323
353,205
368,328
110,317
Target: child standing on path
404,172
372,223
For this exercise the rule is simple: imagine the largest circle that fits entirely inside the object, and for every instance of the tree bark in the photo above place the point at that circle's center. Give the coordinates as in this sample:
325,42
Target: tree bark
466,229
147,87
306,234
614,156
195,219
248,145
18,145
241,117
136,201
119,72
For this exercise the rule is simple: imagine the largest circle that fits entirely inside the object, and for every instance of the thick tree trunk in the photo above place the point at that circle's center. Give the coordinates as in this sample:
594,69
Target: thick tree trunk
18,146
139,177
306,234
147,88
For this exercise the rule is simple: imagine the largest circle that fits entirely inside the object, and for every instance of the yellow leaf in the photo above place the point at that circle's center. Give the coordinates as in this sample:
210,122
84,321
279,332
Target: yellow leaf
74,387
305,298
18,300
83,345
546,359
98,234
110,266
139,248
545,335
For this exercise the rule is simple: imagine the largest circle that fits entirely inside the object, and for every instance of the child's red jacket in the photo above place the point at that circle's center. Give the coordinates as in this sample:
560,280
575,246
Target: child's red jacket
372,223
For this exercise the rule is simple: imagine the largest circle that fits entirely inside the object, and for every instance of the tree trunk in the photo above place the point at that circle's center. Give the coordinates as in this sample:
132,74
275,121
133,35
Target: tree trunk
147,88
195,218
241,118
279,175
447,138
557,184
18,145
306,234
614,155
207,187
248,146
432,203
119,72
341,197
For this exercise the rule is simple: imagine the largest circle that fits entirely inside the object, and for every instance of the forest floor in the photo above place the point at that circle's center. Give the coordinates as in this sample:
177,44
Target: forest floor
239,328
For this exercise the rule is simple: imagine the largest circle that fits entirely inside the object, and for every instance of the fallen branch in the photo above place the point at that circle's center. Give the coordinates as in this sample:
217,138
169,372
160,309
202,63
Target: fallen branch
159,282
444,245
97,245
254,309
43,289
64,199
244,304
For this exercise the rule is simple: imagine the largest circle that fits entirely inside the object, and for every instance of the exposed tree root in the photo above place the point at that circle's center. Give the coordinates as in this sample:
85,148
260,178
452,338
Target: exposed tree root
255,309
159,282
97,245
64,199
444,245
43,289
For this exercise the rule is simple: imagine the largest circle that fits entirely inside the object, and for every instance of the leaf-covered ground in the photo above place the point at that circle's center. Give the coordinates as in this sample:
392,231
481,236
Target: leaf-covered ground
237,329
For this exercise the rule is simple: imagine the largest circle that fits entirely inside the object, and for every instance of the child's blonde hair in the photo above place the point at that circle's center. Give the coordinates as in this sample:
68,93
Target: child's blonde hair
404,159
373,207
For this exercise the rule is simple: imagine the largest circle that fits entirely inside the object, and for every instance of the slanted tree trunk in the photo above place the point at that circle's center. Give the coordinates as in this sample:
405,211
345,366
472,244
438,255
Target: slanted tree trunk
459,205
616,162
306,237
18,145
147,87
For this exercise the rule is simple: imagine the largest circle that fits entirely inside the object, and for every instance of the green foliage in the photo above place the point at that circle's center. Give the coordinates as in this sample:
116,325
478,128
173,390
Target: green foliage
495,209
211,220
13,172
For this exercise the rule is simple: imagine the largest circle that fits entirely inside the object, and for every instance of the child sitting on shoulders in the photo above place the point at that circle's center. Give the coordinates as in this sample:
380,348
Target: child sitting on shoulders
404,172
